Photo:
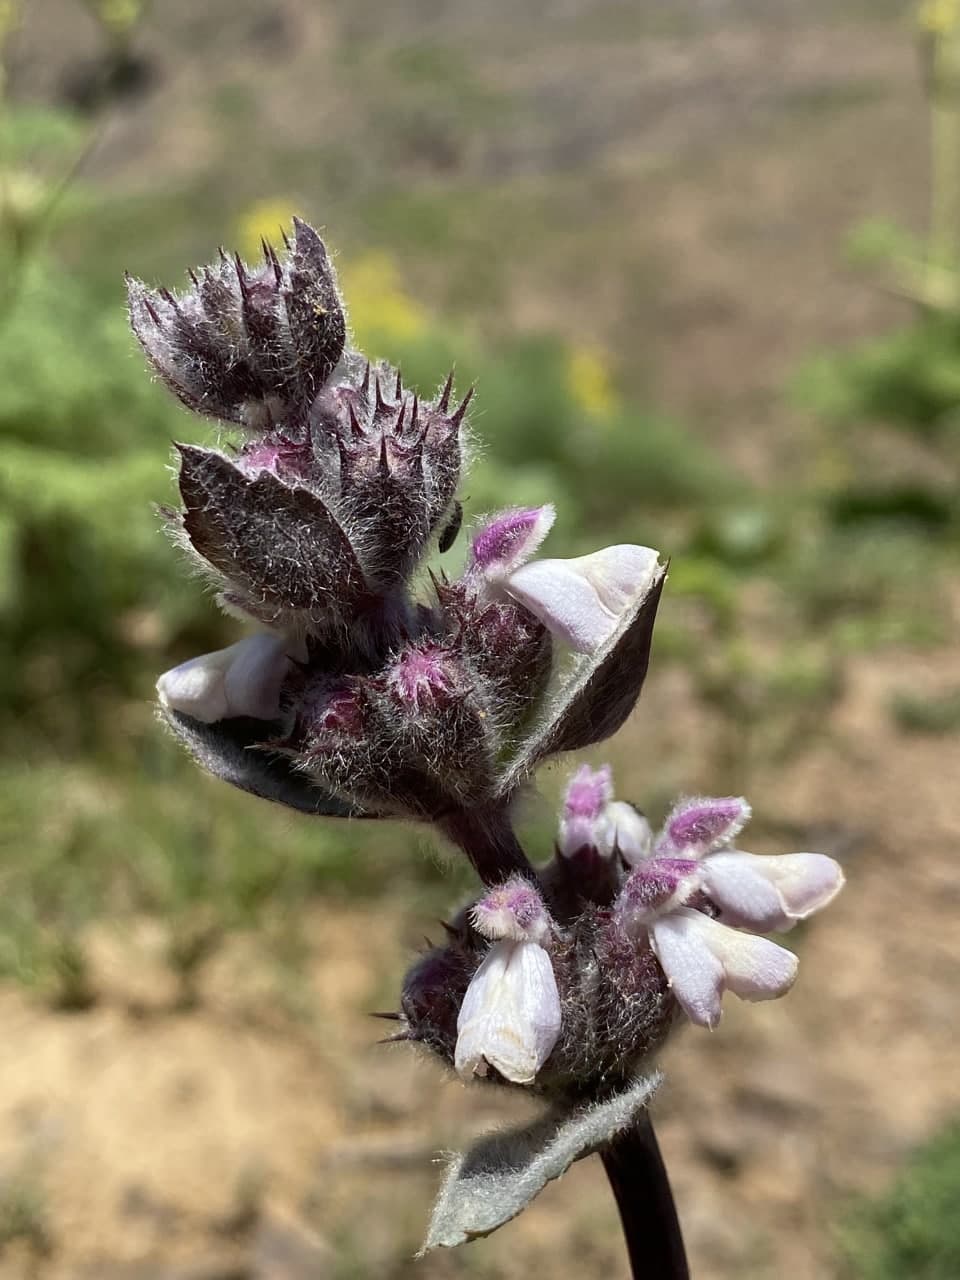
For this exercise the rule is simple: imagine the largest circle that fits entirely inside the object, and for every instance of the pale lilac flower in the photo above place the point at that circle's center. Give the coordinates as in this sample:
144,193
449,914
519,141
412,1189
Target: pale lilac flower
581,601
703,958
510,1016
592,820
625,831
242,680
700,957
750,891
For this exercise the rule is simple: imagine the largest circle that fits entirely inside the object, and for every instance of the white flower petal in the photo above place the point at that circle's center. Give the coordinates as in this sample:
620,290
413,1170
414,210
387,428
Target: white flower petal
702,958
767,893
807,881
754,968
582,600
693,971
242,680
625,829
745,896
510,1016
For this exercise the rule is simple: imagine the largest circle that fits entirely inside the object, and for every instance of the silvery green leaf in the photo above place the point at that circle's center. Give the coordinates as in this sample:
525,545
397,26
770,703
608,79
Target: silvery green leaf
498,1177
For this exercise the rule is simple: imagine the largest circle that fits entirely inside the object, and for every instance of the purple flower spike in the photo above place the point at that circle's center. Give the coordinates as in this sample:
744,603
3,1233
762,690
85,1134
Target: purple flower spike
694,827
513,910
509,540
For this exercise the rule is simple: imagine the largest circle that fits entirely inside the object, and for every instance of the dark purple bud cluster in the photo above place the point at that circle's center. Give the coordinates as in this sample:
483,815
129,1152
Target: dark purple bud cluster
251,345
314,525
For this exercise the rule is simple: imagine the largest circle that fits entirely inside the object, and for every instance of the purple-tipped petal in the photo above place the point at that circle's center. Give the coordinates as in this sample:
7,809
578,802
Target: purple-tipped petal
586,797
695,827
509,540
654,888
510,1016
588,791
582,601
770,893
513,910
242,680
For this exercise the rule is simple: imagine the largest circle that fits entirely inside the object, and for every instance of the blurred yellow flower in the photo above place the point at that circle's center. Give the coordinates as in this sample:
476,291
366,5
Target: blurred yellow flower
22,199
8,17
265,220
939,16
378,306
118,16
590,383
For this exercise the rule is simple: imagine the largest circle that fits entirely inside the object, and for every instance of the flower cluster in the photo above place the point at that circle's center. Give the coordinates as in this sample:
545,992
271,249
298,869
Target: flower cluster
642,929
360,694
374,685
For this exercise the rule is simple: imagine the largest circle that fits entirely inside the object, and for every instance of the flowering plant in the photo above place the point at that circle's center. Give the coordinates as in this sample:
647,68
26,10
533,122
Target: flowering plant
372,690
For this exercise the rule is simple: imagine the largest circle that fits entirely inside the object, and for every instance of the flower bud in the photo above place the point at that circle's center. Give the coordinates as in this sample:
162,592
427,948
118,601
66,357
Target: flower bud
583,817
251,345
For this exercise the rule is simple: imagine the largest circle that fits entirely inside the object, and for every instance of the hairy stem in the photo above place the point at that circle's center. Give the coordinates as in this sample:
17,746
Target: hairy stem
638,1179
487,838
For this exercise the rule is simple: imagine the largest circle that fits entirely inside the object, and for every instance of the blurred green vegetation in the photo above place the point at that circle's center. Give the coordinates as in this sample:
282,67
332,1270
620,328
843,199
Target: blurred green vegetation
913,1230
774,585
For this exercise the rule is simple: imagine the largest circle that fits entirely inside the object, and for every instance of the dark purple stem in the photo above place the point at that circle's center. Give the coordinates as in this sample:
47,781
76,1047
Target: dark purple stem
638,1179
487,837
